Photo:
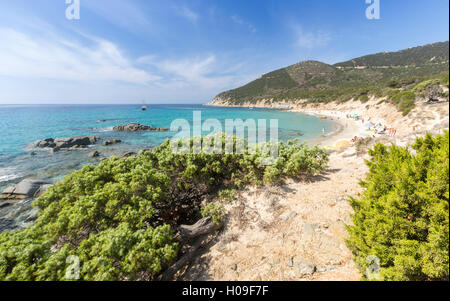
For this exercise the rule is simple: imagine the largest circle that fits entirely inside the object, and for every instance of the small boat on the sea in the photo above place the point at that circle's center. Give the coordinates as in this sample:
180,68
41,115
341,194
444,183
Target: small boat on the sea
144,108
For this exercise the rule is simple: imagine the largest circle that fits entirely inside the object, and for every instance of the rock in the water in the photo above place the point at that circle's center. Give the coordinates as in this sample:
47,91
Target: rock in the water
65,143
111,142
136,127
129,154
24,190
54,150
17,215
94,154
49,142
305,269
32,216
6,204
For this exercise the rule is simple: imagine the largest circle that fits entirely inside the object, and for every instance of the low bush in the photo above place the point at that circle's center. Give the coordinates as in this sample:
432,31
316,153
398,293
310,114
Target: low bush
402,217
119,218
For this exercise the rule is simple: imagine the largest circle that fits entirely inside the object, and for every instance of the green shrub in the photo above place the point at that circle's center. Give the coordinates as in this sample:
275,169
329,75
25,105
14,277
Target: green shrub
402,217
119,217
228,195
215,211
404,100
364,98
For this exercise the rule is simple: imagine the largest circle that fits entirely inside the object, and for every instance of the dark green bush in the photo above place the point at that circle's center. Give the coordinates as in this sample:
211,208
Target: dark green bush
119,218
402,217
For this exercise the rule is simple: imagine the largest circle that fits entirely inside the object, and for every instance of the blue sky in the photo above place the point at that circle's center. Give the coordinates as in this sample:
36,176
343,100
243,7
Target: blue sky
127,51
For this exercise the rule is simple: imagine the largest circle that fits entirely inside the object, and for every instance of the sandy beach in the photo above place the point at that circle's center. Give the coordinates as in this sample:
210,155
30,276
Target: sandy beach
348,129
297,231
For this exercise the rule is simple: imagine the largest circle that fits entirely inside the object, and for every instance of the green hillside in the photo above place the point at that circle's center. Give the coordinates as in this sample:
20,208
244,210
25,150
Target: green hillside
376,74
428,54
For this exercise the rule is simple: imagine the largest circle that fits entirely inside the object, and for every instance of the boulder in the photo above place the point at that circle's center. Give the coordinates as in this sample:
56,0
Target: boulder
24,190
305,269
75,141
111,142
136,127
49,142
129,154
65,143
94,154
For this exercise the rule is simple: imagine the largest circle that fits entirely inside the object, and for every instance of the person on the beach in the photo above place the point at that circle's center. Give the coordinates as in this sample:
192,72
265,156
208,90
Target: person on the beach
323,130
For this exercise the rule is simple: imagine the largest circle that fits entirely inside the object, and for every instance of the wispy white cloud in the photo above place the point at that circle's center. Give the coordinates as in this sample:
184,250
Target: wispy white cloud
31,56
240,21
187,13
205,72
44,66
310,39
123,13
208,74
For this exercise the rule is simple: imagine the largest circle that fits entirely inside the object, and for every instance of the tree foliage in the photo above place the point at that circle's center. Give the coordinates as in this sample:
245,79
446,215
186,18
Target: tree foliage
403,215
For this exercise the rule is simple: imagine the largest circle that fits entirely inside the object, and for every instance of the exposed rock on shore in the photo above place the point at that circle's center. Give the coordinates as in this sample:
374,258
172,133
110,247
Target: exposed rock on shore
17,215
65,143
24,190
136,127
16,211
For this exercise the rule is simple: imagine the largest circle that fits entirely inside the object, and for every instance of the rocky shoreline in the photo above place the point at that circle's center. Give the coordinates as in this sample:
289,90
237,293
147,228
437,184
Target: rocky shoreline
136,127
16,210
65,143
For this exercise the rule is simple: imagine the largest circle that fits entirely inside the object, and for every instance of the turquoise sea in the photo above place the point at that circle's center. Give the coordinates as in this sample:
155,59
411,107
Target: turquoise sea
22,124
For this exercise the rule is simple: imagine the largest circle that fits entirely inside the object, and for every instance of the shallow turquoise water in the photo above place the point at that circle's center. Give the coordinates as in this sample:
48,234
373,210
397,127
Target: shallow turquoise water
22,124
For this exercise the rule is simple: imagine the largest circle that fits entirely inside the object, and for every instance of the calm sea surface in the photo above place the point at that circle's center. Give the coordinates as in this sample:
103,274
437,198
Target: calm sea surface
22,124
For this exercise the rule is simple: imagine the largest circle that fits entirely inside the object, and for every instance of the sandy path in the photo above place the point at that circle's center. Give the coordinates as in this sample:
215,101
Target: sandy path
277,234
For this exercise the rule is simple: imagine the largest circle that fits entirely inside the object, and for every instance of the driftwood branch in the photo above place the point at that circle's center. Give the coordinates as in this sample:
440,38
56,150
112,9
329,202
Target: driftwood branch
199,231
189,232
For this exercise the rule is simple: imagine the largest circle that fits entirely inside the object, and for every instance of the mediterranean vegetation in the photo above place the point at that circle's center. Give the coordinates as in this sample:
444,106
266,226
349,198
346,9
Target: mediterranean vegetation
120,218
402,217
399,77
